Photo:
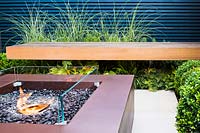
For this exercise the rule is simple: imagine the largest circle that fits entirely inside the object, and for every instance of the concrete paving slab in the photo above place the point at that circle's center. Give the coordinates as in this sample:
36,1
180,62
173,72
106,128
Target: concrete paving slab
155,112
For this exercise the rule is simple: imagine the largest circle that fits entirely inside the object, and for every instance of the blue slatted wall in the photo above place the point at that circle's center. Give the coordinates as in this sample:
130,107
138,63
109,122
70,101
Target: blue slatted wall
177,20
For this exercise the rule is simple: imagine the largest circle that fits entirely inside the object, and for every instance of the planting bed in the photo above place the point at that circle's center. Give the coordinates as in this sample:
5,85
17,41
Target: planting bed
109,109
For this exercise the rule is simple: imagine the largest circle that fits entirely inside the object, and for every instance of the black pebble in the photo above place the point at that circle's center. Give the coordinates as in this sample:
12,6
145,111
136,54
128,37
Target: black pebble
73,101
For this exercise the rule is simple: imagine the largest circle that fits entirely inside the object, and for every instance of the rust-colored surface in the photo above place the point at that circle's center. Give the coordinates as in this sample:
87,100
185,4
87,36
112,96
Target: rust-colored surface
106,51
6,83
44,81
102,113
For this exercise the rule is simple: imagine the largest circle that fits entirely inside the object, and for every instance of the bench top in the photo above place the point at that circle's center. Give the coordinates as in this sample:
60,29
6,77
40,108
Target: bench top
105,51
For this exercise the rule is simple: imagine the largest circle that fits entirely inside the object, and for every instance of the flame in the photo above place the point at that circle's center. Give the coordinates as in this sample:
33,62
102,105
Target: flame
30,109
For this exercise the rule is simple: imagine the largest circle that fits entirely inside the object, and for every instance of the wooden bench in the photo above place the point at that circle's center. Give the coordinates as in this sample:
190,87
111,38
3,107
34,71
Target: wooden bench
106,51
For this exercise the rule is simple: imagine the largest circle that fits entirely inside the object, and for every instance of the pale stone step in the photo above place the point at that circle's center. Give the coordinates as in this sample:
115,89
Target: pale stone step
154,112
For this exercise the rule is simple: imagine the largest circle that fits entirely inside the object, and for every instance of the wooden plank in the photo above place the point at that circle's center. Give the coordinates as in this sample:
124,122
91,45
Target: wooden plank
106,51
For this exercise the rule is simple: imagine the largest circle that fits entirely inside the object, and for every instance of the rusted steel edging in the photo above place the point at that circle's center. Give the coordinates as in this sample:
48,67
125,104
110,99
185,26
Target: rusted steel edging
105,111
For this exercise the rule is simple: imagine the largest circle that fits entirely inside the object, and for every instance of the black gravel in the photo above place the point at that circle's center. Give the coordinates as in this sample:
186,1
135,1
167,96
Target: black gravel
73,101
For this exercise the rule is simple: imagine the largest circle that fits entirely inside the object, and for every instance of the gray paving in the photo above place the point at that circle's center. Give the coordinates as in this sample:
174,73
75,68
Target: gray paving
154,112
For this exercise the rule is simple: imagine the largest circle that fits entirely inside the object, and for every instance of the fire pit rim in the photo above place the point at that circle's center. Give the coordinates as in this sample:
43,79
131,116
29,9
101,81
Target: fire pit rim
109,109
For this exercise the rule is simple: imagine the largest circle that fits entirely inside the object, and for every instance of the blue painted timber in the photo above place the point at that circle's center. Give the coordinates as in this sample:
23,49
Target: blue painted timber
176,20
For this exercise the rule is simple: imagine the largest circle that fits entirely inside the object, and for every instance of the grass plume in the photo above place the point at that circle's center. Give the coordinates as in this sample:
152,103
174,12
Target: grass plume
81,24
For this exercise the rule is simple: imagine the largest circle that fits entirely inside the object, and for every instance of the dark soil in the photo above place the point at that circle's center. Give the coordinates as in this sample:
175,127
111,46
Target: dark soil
73,101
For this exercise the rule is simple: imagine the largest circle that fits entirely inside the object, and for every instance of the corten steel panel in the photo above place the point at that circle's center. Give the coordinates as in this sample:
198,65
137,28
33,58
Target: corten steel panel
106,51
104,112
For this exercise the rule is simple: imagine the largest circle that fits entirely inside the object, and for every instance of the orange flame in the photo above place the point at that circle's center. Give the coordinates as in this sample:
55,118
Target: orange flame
30,109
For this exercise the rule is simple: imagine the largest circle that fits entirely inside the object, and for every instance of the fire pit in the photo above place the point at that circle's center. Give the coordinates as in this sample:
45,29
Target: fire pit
65,103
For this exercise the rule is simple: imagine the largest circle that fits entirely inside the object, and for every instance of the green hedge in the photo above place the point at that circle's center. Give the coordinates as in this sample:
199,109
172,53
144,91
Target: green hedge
181,74
188,80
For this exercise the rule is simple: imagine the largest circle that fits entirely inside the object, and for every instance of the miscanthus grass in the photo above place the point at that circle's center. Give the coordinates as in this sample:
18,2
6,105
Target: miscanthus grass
82,24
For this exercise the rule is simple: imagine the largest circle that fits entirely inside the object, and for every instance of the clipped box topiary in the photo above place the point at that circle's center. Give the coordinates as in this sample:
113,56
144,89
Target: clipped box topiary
188,117
185,67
